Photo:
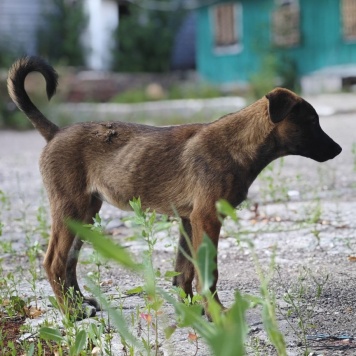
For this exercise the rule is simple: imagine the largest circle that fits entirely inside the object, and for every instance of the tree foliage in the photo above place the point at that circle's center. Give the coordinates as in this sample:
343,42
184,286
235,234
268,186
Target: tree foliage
144,40
59,34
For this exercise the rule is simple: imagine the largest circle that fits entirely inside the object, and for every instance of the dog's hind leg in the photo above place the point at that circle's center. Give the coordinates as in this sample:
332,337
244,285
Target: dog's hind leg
61,260
183,265
71,271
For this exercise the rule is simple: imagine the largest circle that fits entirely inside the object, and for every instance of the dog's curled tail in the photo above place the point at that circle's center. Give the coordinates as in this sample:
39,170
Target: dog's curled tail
16,88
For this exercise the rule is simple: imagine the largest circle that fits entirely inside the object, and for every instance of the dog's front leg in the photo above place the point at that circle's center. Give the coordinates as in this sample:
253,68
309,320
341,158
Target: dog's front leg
183,265
206,222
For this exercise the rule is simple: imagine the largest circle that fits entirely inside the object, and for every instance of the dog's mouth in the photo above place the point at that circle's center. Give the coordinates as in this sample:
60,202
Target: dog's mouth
326,154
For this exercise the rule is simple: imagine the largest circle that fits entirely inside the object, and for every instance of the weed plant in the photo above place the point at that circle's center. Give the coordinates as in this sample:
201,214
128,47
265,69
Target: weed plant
227,334
295,295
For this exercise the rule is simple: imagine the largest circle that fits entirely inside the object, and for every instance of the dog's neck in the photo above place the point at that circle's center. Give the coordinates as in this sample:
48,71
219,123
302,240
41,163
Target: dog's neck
245,132
247,136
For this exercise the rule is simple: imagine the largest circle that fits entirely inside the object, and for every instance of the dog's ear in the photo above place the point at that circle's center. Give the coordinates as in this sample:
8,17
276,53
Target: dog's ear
281,103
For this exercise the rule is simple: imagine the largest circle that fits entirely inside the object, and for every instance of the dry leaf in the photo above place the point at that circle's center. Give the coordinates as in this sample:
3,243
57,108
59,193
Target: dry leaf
32,312
106,282
352,258
5,302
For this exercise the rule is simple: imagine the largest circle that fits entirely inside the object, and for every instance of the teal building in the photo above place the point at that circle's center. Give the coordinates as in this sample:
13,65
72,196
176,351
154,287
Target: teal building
234,37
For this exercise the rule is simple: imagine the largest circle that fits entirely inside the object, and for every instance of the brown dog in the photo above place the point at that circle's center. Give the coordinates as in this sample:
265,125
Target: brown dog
188,167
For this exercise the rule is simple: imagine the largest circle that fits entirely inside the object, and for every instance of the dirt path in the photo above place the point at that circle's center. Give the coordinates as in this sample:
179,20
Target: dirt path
313,229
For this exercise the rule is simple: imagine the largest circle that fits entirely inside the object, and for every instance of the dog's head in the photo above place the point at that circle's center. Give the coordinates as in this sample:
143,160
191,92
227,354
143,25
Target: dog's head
297,127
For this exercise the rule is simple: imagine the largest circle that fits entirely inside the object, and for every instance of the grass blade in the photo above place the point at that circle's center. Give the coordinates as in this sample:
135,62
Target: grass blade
105,246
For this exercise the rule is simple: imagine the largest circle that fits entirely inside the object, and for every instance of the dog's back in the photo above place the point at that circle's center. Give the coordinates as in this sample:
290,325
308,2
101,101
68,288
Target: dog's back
117,161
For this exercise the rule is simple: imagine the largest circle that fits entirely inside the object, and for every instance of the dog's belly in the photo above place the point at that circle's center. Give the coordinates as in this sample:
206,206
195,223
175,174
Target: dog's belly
168,203
122,205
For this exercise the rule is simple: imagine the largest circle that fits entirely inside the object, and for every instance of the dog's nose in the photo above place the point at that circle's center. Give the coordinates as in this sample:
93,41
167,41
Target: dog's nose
330,150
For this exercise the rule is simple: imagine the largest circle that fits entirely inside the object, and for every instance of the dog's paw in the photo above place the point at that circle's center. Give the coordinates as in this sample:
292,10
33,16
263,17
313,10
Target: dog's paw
87,311
92,302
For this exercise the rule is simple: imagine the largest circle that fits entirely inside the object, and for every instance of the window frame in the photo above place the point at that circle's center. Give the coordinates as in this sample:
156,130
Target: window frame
282,40
348,38
237,26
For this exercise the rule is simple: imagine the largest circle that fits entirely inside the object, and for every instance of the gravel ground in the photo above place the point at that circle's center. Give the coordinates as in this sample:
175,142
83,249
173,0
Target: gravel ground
325,248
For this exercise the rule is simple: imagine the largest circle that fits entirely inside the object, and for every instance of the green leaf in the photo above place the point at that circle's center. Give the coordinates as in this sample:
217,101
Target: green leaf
51,334
225,208
135,204
135,290
254,300
214,308
105,246
169,330
271,327
162,226
80,342
54,302
236,315
116,317
171,274
17,303
231,332
149,275
206,264
189,315
152,218
156,305
31,350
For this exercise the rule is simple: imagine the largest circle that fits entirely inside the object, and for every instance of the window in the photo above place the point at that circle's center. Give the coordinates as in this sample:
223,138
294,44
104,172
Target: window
227,26
348,13
286,23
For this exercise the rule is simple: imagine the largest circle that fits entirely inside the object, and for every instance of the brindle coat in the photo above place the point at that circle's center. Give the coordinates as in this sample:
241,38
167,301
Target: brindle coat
185,167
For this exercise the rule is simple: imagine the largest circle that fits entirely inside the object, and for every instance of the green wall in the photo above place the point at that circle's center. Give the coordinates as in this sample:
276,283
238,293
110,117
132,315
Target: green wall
321,44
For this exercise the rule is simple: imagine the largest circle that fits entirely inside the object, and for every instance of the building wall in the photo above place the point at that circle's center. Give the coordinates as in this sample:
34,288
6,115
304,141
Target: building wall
18,24
322,43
